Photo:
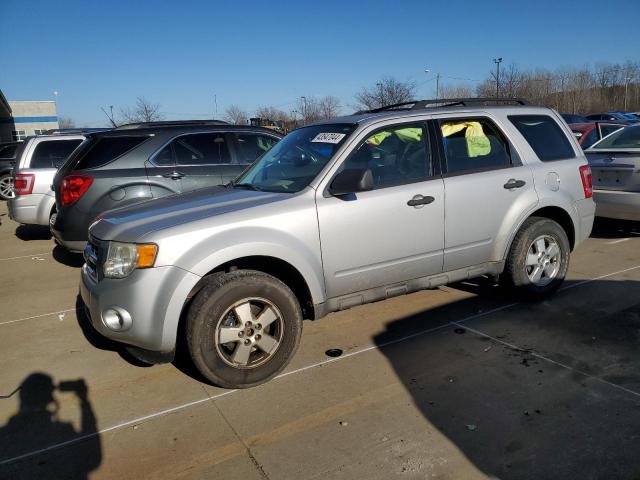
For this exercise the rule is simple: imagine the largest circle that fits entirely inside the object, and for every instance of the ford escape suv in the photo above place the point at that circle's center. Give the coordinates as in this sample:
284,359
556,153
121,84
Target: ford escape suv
138,162
338,214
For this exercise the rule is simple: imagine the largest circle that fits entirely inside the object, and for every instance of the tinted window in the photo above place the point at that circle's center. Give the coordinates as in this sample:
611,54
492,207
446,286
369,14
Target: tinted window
201,149
395,156
628,137
8,151
53,153
107,149
607,129
252,145
164,158
544,135
473,144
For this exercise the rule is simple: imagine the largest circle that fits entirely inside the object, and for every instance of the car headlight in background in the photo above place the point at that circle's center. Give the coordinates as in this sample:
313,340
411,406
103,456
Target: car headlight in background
124,258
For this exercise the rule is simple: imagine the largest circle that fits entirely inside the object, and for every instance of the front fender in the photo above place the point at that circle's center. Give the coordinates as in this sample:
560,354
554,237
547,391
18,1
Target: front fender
300,249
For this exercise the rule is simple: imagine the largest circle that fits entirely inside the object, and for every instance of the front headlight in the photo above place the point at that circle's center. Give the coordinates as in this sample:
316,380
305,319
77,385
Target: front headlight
124,258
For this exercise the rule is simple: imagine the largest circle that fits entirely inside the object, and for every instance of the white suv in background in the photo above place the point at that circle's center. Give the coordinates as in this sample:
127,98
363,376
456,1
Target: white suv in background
37,161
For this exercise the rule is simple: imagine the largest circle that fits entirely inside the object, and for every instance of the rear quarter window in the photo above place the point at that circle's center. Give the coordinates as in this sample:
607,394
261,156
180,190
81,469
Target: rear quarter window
544,135
52,153
106,149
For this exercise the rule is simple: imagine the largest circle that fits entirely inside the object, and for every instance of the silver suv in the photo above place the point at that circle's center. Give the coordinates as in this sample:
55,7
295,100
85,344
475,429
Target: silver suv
37,161
338,214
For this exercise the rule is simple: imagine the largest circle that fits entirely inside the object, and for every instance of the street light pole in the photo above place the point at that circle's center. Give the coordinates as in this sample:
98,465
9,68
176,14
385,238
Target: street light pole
380,96
437,86
304,109
497,61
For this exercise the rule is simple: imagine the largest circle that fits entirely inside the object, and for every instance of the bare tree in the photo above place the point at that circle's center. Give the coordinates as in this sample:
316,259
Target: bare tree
456,91
328,107
387,91
234,114
66,122
143,111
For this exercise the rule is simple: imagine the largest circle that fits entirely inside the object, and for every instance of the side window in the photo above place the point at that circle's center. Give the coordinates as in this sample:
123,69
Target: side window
544,135
52,154
201,149
164,158
472,144
607,129
252,145
395,156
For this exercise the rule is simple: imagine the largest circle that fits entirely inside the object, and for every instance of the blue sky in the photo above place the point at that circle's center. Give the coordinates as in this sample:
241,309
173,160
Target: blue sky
179,54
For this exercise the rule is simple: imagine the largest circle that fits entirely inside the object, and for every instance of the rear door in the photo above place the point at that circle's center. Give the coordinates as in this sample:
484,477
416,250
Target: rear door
486,188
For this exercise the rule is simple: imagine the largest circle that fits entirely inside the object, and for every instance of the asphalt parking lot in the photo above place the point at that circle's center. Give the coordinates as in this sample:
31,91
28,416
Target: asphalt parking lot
458,382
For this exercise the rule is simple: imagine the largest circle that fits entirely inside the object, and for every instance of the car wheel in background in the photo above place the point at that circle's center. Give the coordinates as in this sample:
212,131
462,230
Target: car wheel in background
6,187
243,328
538,259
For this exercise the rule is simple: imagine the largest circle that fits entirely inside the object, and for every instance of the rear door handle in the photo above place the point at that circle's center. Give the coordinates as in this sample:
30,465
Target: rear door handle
174,175
420,200
513,183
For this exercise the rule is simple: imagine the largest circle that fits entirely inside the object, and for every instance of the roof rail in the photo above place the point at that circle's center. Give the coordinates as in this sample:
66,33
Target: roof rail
70,131
448,102
169,123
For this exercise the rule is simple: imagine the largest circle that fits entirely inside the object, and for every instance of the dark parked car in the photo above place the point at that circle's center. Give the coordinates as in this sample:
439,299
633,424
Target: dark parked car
611,117
590,132
139,162
573,118
7,162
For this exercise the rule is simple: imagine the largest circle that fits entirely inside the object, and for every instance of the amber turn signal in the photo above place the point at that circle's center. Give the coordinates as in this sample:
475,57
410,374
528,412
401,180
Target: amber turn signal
146,255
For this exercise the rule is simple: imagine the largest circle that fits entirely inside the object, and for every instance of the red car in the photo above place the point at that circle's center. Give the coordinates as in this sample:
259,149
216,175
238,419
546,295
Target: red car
589,133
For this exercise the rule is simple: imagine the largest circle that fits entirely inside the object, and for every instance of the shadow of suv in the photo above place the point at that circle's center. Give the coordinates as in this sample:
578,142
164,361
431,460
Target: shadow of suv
138,162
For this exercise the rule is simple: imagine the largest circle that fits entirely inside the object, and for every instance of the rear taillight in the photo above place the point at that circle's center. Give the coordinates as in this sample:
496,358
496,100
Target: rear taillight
73,187
587,182
23,183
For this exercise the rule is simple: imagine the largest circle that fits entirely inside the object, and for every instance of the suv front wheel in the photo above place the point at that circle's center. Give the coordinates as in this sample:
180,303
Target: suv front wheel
242,328
538,259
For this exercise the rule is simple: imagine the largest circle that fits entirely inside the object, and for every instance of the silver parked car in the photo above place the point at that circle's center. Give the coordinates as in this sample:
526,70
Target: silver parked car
615,163
338,214
37,161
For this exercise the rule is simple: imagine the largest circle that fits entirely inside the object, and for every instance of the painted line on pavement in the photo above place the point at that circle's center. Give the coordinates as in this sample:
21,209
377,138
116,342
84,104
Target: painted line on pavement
25,256
449,324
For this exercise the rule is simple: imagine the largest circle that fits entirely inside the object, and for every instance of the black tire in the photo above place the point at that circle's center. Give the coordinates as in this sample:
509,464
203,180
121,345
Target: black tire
207,309
515,276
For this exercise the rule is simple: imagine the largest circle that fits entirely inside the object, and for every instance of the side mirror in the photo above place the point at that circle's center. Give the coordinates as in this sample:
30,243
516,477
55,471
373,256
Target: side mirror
351,181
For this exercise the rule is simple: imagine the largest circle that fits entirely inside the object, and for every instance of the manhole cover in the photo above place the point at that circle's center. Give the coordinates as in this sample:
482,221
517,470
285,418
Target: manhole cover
333,352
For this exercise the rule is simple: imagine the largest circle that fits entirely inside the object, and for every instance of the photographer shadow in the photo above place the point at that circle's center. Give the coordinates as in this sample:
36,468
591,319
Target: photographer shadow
36,427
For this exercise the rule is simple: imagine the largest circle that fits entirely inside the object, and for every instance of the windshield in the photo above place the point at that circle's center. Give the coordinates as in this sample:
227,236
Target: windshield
628,137
296,160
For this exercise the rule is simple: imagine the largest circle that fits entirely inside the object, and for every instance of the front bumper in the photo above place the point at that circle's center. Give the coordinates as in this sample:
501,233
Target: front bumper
152,297
617,204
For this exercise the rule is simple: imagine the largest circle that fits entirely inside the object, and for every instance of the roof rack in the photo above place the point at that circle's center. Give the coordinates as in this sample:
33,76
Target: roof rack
70,131
448,102
169,123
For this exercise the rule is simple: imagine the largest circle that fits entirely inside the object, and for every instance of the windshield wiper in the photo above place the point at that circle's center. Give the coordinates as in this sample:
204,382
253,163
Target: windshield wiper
250,186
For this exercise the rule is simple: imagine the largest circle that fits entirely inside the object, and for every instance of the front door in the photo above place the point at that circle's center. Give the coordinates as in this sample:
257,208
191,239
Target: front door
394,232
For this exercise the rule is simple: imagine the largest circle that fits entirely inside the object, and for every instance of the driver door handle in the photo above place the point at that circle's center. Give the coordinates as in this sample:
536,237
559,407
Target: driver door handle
513,183
420,200
174,175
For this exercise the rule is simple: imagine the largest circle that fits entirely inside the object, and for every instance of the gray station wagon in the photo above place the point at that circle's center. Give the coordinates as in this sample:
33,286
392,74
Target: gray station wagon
138,162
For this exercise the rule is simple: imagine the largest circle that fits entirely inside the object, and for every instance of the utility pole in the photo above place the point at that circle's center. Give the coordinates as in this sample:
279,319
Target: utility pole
380,96
437,86
626,89
215,103
497,61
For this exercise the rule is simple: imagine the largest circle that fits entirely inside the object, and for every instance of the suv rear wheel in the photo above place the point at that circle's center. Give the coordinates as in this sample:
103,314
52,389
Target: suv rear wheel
538,259
6,187
242,328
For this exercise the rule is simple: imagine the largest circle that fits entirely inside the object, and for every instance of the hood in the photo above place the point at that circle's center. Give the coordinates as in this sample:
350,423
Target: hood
128,224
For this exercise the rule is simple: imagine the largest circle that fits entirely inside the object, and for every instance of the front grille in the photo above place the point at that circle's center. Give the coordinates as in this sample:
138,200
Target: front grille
92,258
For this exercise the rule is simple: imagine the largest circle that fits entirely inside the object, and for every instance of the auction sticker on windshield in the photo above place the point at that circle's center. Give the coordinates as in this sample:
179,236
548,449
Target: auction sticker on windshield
329,137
